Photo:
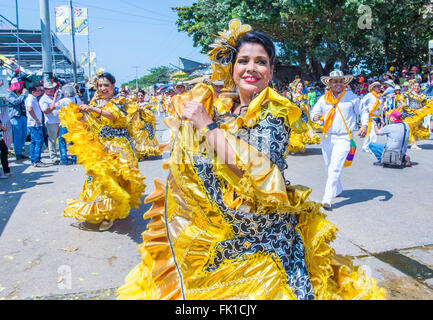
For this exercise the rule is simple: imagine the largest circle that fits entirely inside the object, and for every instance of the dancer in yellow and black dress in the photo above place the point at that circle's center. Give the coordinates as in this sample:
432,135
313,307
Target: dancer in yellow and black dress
143,123
414,111
303,130
100,137
227,224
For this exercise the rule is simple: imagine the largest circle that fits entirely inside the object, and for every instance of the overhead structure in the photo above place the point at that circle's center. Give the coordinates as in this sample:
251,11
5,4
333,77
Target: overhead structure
189,66
30,53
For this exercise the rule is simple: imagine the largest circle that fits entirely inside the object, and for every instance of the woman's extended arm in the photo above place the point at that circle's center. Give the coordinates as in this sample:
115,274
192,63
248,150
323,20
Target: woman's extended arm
99,111
196,113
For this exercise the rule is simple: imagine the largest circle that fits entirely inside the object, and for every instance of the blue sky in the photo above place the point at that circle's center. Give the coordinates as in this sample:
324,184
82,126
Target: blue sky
123,33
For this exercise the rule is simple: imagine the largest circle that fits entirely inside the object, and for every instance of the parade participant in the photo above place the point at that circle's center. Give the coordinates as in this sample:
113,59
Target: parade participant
34,125
227,225
397,133
52,121
302,131
340,110
399,99
417,107
15,97
217,86
405,87
143,127
373,103
100,139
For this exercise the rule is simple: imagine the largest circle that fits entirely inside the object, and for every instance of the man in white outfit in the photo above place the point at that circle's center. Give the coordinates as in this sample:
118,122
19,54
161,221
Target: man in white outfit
373,103
336,141
52,120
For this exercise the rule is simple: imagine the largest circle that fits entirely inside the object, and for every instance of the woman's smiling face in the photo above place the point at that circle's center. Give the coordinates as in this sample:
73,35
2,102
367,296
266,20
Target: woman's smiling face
105,88
252,70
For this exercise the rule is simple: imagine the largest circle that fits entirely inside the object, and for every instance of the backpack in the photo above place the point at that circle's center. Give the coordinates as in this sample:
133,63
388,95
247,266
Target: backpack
394,158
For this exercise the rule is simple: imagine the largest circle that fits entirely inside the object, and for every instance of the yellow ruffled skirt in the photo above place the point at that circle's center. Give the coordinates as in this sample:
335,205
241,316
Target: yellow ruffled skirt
301,135
417,131
259,276
113,184
144,133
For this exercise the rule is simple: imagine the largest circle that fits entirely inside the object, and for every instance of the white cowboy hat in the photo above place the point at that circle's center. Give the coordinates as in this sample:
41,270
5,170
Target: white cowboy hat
181,83
371,86
218,82
336,74
390,83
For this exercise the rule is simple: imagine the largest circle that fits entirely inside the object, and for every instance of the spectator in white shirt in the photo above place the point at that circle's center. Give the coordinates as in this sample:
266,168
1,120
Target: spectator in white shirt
52,121
34,125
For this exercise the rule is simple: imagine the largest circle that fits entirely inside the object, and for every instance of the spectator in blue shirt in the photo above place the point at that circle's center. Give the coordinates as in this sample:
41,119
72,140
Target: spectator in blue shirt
15,98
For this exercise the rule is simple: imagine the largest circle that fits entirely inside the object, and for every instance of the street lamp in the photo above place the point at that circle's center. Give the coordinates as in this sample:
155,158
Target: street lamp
136,76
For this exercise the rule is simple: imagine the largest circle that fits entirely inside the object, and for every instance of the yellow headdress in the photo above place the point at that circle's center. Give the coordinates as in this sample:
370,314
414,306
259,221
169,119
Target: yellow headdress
94,80
224,51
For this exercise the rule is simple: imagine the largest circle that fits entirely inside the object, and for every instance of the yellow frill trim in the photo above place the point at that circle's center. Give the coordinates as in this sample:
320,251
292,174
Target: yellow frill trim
118,181
144,146
415,122
259,276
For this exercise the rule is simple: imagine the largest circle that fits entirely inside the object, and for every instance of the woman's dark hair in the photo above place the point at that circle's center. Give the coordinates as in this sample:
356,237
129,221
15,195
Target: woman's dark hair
109,77
141,91
260,38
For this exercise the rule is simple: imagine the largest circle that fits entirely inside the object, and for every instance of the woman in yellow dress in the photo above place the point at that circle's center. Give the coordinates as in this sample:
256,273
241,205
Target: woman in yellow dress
143,123
100,137
414,111
302,131
227,224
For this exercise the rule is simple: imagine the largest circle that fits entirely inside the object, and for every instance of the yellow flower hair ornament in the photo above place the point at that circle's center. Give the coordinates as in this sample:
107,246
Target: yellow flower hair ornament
224,51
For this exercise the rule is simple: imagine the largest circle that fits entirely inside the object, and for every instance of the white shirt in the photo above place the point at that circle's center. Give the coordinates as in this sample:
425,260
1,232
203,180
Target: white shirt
368,102
32,102
45,103
350,107
65,101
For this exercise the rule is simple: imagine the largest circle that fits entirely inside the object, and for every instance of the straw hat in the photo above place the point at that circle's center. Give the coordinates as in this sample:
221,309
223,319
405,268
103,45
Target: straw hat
336,74
374,84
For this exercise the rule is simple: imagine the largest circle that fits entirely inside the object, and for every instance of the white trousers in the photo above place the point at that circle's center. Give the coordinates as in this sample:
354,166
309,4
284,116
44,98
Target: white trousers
372,137
53,134
426,121
334,150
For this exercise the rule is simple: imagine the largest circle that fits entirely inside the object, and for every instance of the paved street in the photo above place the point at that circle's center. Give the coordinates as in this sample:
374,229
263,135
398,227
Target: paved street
384,216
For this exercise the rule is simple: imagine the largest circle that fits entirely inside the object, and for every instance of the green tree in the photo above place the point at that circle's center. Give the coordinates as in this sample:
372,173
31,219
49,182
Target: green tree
317,36
156,75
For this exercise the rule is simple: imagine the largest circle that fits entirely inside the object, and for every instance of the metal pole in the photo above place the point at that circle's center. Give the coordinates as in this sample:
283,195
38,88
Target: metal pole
88,41
46,40
18,38
88,55
136,77
73,41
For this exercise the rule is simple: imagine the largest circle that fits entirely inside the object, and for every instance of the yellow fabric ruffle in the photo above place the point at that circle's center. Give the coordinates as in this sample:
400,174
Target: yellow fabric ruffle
116,184
143,144
417,131
174,265
302,133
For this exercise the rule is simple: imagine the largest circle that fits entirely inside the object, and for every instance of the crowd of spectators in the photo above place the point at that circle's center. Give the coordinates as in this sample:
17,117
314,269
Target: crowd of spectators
31,111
